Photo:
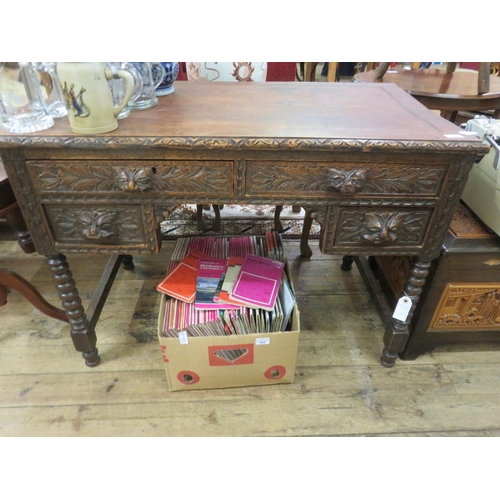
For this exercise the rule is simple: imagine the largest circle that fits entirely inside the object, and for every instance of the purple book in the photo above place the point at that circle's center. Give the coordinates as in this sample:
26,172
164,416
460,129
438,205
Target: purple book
258,282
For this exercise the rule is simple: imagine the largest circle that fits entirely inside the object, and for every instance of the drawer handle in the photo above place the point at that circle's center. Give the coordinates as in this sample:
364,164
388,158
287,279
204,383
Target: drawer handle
140,179
347,181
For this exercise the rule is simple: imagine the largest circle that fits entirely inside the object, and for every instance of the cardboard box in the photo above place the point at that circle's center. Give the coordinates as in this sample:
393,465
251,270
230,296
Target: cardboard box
266,358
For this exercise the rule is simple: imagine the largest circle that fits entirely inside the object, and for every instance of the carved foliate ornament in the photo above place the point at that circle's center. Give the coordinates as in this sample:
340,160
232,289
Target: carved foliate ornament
382,228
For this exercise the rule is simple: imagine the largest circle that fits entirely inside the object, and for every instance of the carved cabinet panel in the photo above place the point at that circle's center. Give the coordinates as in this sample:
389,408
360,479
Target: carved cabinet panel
375,227
101,226
322,178
468,305
120,176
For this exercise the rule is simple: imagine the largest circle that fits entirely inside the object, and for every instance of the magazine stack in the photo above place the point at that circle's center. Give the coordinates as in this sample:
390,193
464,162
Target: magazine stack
228,314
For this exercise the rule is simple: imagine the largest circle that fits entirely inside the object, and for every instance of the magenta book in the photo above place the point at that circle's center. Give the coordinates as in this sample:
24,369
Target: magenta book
258,282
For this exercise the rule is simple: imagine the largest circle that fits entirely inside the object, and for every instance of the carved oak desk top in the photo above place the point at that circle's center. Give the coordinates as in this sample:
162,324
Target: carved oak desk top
379,171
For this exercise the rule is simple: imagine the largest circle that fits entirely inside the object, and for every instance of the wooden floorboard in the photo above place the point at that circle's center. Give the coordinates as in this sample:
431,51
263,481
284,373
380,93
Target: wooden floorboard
340,388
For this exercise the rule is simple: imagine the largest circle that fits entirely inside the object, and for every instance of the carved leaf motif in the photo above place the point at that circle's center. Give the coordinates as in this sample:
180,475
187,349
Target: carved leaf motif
112,177
404,180
76,178
189,179
374,179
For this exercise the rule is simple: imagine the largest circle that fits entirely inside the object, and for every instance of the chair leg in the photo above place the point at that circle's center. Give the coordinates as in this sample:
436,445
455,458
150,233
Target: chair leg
199,217
202,226
278,226
217,224
305,250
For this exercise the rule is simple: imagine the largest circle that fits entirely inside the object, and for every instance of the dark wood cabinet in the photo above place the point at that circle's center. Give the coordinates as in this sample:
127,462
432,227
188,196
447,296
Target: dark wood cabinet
460,302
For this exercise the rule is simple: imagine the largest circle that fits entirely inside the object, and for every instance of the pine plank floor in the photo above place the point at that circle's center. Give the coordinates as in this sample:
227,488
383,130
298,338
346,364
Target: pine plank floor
340,388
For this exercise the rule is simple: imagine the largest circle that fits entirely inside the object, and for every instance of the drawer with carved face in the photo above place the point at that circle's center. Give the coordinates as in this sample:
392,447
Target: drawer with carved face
106,225
120,176
320,179
376,227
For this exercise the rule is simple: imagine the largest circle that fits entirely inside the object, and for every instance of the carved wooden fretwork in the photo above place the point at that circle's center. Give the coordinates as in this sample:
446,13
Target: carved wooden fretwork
381,228
468,306
370,179
165,176
99,225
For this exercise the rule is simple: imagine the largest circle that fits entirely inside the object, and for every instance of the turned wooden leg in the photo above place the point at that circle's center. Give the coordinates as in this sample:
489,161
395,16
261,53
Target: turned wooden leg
396,337
128,262
278,226
82,335
305,250
347,261
15,219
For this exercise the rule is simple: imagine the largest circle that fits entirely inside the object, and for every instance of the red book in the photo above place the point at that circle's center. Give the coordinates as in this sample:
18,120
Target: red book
181,282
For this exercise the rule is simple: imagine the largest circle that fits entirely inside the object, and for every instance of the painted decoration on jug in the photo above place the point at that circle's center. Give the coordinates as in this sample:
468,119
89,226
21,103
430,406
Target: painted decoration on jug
75,102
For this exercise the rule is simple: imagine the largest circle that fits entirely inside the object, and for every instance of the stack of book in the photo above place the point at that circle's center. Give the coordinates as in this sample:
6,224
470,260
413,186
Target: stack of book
227,286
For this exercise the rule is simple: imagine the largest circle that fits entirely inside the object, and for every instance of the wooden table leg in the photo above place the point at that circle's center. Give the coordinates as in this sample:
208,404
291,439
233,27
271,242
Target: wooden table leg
82,334
347,261
396,338
15,219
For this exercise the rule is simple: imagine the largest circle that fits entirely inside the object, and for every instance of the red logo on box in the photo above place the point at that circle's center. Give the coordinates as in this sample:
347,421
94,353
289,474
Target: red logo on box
230,355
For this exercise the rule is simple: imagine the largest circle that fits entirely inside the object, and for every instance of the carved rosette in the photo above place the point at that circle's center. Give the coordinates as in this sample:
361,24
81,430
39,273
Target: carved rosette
468,306
381,227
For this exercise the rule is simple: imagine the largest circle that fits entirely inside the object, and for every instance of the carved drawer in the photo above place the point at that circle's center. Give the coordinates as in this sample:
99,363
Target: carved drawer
174,177
103,227
320,179
375,228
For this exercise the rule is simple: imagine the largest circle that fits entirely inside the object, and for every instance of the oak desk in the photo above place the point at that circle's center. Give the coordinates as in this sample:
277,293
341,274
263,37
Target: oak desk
380,172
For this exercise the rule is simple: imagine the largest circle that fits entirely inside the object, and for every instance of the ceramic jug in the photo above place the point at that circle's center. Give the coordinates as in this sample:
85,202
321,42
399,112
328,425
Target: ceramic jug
88,96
